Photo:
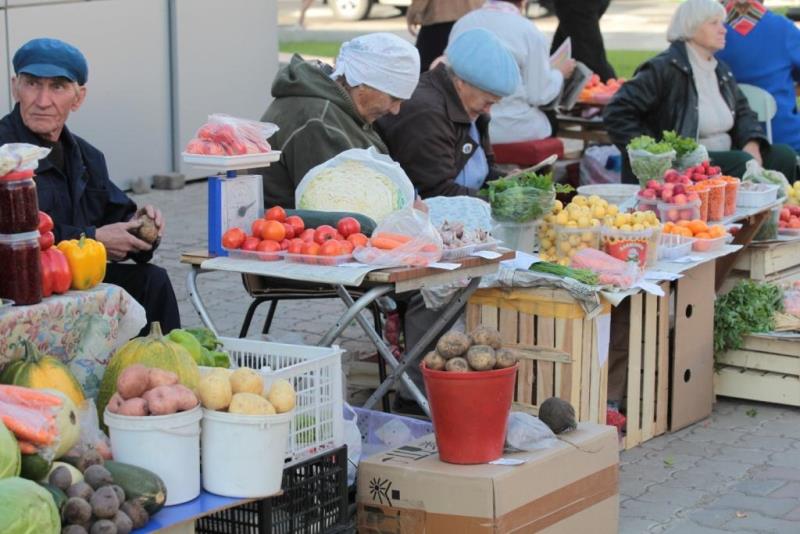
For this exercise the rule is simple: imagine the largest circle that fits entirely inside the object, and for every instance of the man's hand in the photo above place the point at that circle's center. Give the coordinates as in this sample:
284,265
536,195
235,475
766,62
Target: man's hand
754,149
567,67
119,242
155,214
413,28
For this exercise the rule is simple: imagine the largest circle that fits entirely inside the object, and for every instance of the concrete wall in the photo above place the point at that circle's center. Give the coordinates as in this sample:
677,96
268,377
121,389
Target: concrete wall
157,68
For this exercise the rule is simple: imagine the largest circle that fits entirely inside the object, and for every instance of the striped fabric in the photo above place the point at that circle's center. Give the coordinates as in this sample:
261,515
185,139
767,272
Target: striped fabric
744,15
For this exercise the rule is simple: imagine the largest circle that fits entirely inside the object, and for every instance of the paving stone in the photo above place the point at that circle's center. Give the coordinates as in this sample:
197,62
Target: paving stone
767,506
646,472
658,512
789,491
686,526
710,518
789,458
636,525
714,435
756,522
781,427
758,488
776,473
766,443
677,447
747,456
714,470
794,515
666,495
633,487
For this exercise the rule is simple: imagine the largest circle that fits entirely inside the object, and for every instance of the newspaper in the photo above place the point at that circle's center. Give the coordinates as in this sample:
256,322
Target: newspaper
348,276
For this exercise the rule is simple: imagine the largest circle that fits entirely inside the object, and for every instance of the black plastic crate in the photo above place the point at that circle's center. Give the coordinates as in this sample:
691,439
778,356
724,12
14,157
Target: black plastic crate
314,501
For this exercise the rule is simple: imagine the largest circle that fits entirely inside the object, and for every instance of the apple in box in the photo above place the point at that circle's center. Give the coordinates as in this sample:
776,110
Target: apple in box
673,215
671,176
679,198
649,194
655,185
687,215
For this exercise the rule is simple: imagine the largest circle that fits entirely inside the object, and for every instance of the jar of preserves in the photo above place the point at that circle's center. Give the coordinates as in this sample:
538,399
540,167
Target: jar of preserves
19,205
22,269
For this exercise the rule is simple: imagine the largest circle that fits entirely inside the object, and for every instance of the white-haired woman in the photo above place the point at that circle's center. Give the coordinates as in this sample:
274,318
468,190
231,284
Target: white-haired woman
685,89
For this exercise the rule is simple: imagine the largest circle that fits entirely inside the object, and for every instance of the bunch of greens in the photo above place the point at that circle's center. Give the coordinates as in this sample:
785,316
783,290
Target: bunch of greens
749,307
522,197
681,145
584,276
649,159
648,144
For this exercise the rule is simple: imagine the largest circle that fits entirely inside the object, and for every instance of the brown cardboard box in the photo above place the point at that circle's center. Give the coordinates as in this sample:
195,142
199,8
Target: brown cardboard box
561,490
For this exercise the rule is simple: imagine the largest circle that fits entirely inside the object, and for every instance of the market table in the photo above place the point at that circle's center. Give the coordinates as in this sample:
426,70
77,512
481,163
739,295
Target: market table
81,328
375,283
180,518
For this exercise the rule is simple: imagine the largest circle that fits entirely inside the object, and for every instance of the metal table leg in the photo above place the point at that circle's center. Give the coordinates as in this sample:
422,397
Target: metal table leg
197,302
353,312
412,356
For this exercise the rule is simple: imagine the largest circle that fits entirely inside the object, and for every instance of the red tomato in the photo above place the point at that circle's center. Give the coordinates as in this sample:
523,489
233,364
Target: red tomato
337,236
273,230
257,227
324,233
289,231
297,223
275,213
331,247
310,248
358,240
295,246
268,245
250,243
45,223
348,225
347,246
285,244
307,235
46,240
233,238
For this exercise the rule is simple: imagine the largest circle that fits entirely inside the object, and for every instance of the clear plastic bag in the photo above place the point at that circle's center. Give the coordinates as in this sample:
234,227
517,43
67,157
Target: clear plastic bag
693,158
20,157
756,173
528,433
224,135
595,166
647,166
404,238
610,270
352,438
91,437
31,416
521,204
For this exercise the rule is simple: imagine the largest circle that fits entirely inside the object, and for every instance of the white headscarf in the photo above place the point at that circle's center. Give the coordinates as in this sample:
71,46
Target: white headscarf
382,61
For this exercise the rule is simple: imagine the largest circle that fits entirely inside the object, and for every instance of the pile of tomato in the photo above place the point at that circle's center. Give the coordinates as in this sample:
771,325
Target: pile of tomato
278,233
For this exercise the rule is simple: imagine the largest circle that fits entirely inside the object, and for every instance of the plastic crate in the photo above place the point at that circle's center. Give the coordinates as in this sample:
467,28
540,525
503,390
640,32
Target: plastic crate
755,195
674,246
314,500
316,374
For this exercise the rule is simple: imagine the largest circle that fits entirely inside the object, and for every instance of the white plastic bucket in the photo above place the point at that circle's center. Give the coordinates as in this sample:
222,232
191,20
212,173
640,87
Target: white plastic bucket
167,445
243,454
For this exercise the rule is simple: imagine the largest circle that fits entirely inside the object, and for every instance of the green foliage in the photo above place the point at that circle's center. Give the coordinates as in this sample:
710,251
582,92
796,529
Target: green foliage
584,276
523,197
681,145
749,307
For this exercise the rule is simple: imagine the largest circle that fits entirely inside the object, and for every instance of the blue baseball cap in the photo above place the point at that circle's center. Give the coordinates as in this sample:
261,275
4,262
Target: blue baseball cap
51,58
481,59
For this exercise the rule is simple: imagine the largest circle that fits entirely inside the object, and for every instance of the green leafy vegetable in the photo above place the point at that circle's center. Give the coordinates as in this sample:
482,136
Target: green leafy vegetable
649,159
749,307
648,144
523,197
584,276
681,145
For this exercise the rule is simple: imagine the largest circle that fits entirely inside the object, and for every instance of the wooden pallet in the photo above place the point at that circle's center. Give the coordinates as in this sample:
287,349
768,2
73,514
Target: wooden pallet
764,261
765,369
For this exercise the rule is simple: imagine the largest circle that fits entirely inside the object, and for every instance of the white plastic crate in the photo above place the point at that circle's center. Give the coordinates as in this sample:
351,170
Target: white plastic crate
316,374
753,195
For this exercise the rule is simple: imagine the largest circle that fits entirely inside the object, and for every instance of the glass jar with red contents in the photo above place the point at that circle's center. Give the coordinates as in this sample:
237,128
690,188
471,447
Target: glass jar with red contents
21,280
19,206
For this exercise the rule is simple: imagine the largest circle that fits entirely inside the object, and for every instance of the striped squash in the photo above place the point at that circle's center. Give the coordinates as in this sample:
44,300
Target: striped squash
38,371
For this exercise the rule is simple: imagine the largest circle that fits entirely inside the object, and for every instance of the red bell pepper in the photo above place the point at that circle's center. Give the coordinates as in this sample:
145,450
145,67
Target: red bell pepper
56,276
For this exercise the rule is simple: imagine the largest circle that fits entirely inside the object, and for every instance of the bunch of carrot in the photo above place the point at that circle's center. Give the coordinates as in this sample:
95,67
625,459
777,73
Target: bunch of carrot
31,416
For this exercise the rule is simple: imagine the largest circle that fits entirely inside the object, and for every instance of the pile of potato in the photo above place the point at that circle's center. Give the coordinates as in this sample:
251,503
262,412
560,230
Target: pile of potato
480,350
242,392
150,391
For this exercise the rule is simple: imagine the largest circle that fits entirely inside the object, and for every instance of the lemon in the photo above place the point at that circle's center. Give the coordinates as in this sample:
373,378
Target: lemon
580,200
599,212
612,209
562,218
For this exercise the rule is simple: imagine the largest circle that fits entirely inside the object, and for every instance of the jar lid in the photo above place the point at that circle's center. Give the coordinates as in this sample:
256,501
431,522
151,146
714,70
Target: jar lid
10,239
17,175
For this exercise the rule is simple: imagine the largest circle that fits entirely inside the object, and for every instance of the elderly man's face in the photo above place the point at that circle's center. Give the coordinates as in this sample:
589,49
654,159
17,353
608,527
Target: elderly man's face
45,103
372,104
711,34
475,101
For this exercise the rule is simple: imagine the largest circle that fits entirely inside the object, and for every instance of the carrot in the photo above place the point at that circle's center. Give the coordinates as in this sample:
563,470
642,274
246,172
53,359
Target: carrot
393,236
385,243
29,424
28,397
26,447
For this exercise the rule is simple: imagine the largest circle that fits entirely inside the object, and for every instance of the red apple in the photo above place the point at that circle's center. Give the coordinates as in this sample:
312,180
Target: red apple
654,184
687,215
692,197
649,194
673,215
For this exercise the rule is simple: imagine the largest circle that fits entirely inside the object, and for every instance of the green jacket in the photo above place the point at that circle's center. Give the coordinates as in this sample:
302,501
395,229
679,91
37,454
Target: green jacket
317,121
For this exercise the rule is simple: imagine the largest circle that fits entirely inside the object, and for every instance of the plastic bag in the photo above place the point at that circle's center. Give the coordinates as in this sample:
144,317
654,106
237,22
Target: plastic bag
647,166
91,437
20,157
224,135
693,158
610,270
521,204
516,236
473,212
352,438
769,230
754,172
385,431
405,237
791,299
594,168
31,416
528,433
357,180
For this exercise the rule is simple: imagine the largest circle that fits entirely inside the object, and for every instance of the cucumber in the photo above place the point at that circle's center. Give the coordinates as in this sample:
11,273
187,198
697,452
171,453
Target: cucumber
34,467
58,496
314,219
139,485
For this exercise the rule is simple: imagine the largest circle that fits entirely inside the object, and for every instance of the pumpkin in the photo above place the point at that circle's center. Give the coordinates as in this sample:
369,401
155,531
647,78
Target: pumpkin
68,424
153,350
39,371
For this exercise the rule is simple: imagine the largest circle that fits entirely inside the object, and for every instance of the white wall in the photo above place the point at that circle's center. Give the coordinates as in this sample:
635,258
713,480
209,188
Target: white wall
153,64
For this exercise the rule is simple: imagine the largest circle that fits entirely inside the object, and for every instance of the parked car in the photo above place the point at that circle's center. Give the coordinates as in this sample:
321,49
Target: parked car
359,9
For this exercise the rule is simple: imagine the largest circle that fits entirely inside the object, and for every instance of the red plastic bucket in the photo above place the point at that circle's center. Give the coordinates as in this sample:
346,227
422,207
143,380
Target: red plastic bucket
470,412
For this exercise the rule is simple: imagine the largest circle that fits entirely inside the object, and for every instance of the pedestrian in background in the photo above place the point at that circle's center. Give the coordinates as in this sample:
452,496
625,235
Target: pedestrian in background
304,5
430,21
580,21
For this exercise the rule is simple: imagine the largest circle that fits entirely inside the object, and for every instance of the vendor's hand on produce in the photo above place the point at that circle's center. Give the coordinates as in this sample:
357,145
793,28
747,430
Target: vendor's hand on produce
754,149
420,205
567,67
155,214
119,241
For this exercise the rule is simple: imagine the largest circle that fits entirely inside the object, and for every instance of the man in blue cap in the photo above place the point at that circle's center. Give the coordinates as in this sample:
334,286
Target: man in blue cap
441,136
73,183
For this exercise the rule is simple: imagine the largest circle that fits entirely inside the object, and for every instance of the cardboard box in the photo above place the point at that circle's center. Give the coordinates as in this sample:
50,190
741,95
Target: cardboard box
556,491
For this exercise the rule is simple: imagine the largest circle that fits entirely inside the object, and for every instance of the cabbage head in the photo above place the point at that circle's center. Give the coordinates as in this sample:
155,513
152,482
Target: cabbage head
9,453
27,508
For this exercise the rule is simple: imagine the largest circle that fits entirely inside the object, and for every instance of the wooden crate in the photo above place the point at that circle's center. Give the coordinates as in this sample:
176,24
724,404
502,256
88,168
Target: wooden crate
766,368
765,261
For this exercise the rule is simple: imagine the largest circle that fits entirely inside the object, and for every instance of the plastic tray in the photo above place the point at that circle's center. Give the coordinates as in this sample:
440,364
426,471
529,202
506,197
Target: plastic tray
463,252
310,259
569,240
244,161
708,245
673,246
646,204
753,195
626,245
612,193
316,374
790,232
668,212
240,254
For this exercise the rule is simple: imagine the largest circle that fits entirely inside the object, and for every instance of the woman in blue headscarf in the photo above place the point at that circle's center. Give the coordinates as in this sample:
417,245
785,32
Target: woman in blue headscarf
763,49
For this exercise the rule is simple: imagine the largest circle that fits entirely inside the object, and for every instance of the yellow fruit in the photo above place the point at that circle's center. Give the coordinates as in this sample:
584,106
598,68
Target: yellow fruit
564,246
562,218
245,380
599,212
584,222
572,224
580,200
282,396
612,209
215,391
557,206
638,227
251,404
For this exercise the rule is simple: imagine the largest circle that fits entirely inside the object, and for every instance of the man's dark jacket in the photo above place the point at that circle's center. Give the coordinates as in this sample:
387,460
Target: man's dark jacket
430,138
85,198
662,96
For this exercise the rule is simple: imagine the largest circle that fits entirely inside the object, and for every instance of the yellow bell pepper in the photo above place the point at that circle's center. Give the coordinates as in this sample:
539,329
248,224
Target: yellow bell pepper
87,261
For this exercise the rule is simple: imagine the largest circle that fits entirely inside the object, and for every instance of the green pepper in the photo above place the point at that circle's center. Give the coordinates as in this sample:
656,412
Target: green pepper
220,359
189,342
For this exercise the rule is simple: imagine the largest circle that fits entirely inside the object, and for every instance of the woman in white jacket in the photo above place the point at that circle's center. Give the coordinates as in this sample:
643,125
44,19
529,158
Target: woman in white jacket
517,118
